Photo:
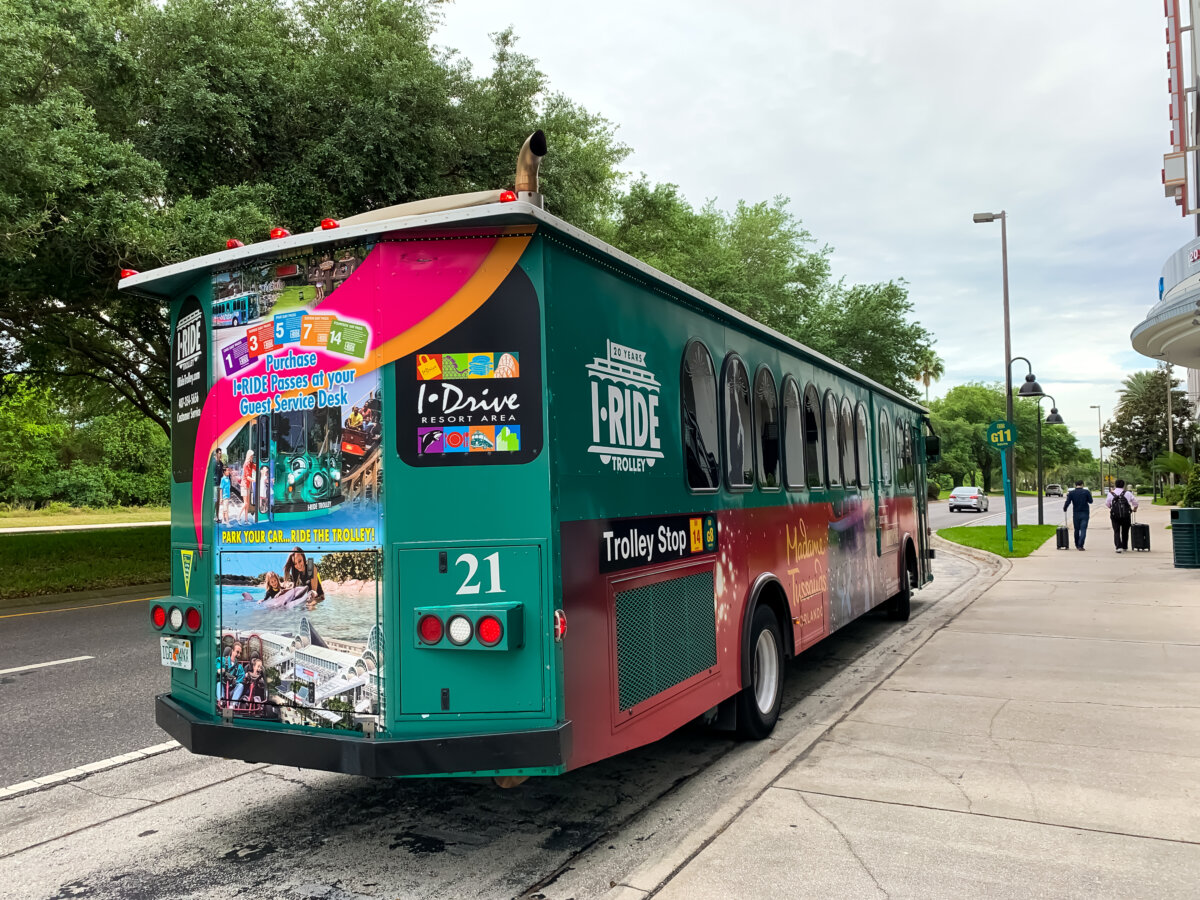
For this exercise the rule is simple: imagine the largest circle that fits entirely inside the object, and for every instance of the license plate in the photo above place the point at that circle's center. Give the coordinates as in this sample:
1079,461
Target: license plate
176,652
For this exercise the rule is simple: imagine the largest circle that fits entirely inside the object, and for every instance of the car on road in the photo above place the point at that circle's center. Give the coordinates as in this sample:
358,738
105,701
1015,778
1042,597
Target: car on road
968,498
1054,490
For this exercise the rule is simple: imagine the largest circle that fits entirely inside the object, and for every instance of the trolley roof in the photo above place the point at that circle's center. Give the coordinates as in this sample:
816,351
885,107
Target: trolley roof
169,281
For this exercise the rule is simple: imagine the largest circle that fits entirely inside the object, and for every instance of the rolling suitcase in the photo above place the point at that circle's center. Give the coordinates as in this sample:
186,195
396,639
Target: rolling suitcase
1064,536
1139,536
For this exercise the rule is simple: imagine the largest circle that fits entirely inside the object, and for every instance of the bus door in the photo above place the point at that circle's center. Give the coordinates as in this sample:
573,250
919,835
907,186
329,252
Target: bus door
920,470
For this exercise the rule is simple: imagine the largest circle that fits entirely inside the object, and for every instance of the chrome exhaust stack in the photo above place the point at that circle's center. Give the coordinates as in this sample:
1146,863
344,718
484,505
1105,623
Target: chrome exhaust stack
528,162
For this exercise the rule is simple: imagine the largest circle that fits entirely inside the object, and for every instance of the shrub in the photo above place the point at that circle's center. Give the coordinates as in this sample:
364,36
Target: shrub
1191,495
83,485
933,490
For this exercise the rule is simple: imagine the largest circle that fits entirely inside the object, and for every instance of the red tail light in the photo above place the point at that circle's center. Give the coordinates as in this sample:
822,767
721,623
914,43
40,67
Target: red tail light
508,196
974,496
326,224
430,629
489,631
560,625
278,232
193,619
129,273
232,243
158,616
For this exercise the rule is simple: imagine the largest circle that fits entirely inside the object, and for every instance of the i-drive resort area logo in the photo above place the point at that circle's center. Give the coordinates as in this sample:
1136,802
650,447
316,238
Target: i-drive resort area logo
625,397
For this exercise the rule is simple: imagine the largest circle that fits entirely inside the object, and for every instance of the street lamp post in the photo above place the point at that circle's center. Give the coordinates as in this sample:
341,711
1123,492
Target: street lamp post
1029,389
1100,428
979,218
1053,419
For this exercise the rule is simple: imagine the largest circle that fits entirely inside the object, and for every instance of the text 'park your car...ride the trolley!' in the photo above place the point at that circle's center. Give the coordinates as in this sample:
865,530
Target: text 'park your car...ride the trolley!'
376,573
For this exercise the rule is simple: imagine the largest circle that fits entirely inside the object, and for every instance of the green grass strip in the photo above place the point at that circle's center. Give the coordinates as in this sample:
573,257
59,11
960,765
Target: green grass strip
993,539
58,562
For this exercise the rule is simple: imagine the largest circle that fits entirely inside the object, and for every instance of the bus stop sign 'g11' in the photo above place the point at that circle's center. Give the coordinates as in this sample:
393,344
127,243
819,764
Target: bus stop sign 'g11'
1001,434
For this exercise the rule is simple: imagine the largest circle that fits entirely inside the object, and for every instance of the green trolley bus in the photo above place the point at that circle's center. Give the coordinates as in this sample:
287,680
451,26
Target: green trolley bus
518,502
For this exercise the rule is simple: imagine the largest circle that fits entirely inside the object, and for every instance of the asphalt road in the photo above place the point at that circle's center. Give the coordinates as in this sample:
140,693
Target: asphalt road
61,716
941,517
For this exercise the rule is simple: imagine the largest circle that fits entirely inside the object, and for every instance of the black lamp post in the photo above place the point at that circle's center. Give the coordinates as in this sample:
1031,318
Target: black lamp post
1053,419
1029,390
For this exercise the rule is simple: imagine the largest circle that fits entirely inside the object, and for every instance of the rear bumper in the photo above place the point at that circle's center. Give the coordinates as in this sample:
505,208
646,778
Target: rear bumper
375,757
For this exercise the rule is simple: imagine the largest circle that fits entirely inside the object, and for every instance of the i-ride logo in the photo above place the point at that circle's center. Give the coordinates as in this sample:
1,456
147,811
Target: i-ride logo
625,397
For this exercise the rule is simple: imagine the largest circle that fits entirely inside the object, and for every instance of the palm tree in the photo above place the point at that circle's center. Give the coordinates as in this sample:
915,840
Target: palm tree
1140,386
929,368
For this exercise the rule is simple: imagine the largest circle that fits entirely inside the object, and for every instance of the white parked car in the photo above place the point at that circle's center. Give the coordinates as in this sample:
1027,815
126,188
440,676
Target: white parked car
968,498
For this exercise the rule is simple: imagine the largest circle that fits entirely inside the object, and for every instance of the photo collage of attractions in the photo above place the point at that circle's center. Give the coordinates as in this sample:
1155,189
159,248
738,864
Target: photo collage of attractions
296,494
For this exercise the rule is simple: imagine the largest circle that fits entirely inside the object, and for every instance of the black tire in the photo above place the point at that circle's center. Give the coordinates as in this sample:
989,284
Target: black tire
765,649
899,606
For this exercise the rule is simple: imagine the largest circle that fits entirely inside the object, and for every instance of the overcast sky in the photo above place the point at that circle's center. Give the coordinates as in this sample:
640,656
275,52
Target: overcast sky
888,125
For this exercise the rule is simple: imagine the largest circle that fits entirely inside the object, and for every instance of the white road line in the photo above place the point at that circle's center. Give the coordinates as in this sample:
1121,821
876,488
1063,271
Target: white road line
53,662
84,770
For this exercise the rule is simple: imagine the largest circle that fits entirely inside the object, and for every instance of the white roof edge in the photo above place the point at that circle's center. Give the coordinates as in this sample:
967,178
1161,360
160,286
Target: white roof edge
467,215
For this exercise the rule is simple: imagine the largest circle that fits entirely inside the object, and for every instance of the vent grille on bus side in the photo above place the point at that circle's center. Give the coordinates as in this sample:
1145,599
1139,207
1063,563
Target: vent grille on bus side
666,633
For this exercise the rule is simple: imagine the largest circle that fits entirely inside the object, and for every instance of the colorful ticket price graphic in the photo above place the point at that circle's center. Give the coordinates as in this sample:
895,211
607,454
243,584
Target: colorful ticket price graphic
236,356
260,339
348,339
287,327
314,330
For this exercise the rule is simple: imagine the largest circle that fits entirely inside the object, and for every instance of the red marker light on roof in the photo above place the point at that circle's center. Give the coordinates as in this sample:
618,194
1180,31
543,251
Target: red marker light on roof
278,232
232,243
508,196
128,273
326,224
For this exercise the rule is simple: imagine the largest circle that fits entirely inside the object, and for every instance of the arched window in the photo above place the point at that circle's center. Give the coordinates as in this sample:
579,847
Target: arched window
766,420
846,443
698,390
833,467
735,390
793,436
885,450
902,452
814,453
862,447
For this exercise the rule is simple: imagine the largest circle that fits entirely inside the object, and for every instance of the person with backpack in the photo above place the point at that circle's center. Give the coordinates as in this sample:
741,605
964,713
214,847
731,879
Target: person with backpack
1121,503
1081,499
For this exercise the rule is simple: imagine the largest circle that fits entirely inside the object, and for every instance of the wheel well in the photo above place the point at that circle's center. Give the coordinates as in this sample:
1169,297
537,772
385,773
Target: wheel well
767,592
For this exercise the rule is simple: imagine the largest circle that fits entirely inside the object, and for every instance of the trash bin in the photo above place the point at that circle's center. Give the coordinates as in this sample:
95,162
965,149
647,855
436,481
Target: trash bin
1185,537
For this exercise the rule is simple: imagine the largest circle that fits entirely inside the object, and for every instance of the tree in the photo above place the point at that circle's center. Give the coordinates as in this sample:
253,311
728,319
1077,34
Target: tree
930,367
761,261
1137,432
139,133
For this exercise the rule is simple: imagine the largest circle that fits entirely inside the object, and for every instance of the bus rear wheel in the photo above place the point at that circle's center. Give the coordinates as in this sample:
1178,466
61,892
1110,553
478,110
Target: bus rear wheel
900,605
759,701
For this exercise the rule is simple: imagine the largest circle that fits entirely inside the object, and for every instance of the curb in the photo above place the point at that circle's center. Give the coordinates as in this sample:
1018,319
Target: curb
645,881
34,603
83,771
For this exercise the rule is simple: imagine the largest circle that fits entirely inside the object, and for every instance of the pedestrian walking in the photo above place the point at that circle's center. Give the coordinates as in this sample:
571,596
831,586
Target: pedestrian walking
1080,498
1121,503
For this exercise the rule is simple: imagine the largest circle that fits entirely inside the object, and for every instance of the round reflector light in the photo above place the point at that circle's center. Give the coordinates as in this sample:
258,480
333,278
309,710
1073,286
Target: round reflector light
489,631
327,224
560,625
508,196
193,619
175,618
158,616
459,629
233,243
278,232
430,629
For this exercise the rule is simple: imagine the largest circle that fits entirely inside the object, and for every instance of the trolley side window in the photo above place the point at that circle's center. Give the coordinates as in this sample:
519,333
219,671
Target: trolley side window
739,460
766,418
813,451
846,443
793,436
831,439
885,450
862,451
700,424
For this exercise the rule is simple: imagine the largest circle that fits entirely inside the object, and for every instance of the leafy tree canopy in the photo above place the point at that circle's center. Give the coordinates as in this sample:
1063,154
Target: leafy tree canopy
141,132
1137,432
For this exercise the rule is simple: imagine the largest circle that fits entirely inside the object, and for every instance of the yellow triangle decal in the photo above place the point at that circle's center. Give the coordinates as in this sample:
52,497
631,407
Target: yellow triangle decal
185,557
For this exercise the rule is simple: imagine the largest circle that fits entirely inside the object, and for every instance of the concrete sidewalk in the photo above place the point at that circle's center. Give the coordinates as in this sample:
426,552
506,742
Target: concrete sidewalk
1045,742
